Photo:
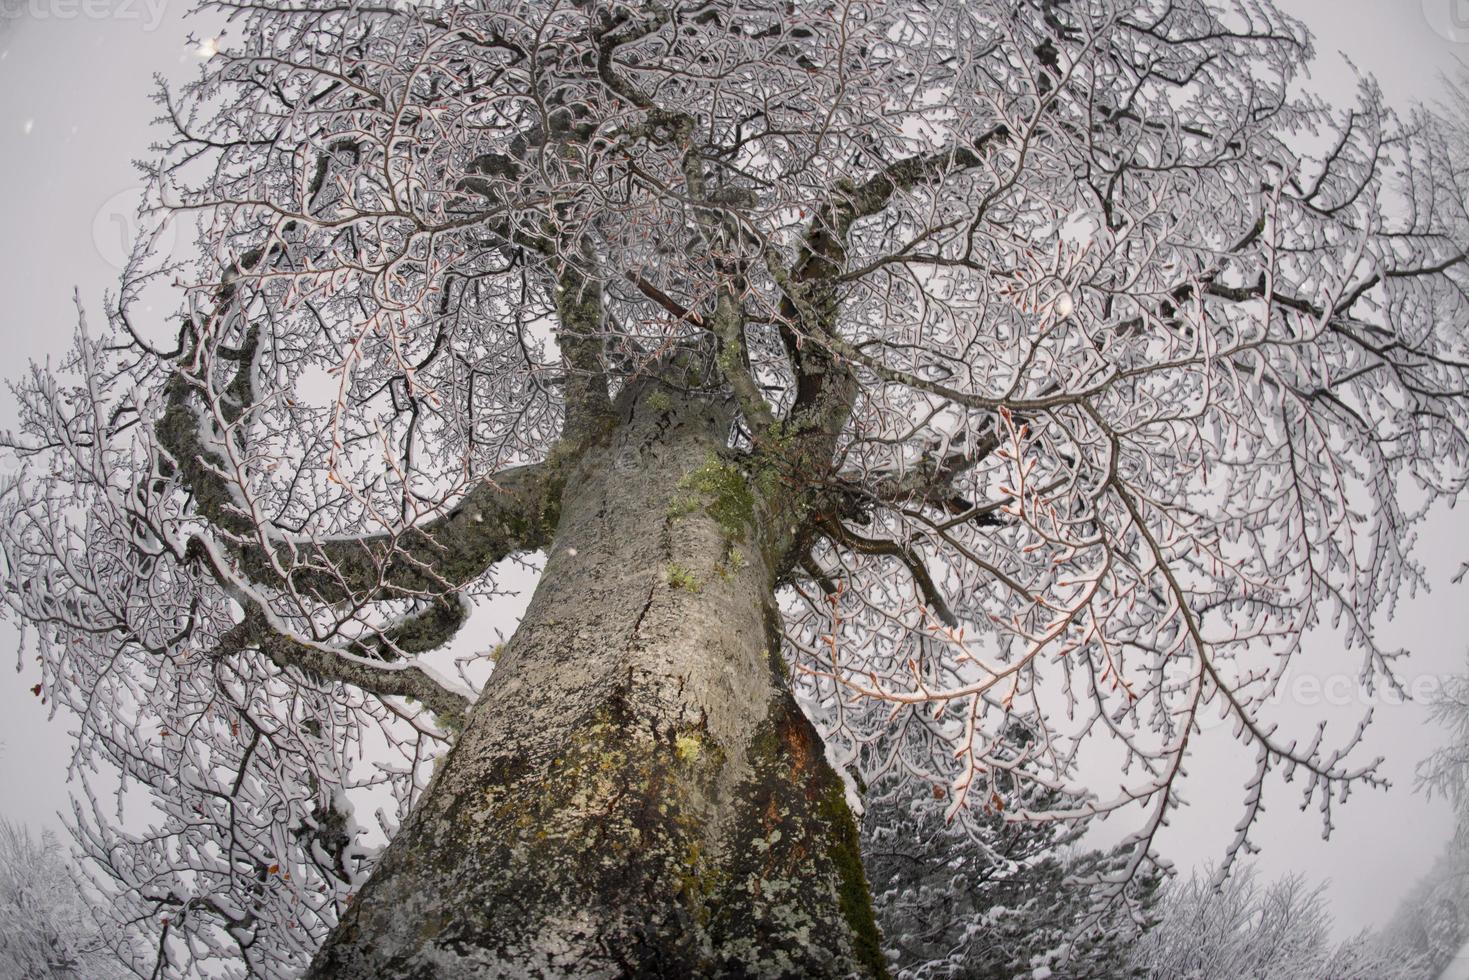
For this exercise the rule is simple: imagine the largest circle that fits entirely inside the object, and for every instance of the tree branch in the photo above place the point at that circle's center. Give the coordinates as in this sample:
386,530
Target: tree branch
259,628
873,546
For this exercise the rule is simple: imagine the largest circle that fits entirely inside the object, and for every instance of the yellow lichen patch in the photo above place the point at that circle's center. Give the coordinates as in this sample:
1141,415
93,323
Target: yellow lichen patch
688,747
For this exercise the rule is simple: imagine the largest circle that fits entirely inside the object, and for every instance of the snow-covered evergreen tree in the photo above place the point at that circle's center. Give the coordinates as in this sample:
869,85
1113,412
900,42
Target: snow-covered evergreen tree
983,898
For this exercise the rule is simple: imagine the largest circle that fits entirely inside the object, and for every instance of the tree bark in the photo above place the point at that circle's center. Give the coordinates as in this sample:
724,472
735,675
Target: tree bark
637,793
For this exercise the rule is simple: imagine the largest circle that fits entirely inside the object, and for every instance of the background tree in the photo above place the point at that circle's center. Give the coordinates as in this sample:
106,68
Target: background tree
977,898
47,925
1239,929
1002,363
1434,917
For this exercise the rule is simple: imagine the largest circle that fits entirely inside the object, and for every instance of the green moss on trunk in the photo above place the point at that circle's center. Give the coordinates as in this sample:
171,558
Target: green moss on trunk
800,844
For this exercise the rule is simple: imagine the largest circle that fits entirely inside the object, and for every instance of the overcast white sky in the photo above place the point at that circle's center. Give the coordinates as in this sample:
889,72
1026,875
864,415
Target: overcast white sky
76,75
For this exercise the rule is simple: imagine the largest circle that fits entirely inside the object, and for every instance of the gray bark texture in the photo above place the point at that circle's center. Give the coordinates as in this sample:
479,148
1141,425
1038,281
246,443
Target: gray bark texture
637,793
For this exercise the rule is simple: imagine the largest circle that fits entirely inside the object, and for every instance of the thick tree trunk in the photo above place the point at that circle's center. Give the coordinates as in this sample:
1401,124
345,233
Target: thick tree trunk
637,793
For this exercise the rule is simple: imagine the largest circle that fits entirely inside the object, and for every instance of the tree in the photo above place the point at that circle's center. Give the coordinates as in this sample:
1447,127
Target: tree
1434,917
1238,929
47,929
999,362
979,899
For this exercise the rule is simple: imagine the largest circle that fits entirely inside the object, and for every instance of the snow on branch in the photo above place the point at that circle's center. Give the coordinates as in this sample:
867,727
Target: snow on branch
1083,369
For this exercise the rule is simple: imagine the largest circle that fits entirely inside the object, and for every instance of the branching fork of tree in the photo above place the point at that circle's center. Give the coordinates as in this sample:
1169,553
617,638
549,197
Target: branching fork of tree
990,363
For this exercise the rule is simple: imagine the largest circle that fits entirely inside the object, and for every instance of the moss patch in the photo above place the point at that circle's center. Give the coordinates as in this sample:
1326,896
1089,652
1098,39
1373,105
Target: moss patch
680,577
846,853
724,493
798,871
734,560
